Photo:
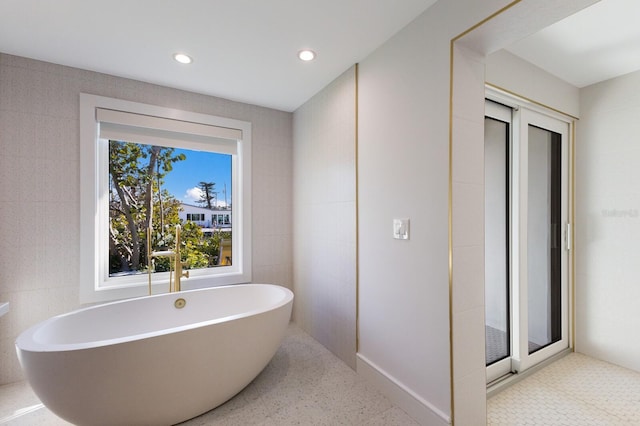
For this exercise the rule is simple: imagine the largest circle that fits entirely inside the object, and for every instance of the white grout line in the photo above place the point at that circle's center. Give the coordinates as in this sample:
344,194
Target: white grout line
21,412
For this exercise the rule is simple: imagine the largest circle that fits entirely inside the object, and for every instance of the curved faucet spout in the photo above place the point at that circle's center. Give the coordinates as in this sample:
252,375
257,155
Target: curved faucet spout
174,285
179,263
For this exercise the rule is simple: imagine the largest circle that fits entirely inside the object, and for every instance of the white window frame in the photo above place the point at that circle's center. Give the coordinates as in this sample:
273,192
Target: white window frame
234,135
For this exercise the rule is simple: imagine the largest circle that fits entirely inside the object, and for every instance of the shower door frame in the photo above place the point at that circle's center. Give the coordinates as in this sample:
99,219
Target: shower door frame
497,111
523,358
525,113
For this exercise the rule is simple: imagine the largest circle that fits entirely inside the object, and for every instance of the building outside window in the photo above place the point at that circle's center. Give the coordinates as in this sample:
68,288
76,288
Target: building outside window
195,217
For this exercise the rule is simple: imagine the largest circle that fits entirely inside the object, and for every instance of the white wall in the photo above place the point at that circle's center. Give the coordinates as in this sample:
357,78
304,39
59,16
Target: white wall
508,71
608,221
39,185
403,166
403,148
324,194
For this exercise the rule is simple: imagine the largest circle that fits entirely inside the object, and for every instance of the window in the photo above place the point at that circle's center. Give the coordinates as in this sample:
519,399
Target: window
133,136
195,217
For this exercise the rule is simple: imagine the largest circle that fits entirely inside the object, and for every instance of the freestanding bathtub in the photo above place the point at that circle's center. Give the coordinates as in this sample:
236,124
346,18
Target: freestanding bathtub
148,361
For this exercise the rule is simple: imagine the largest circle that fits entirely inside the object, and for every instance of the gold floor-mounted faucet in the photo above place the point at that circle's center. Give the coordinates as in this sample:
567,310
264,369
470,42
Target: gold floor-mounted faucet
174,259
179,263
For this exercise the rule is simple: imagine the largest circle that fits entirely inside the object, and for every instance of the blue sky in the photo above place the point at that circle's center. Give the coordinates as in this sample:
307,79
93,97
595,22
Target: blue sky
199,166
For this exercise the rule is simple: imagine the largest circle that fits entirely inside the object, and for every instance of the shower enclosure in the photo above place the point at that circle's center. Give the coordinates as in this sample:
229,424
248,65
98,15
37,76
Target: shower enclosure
526,237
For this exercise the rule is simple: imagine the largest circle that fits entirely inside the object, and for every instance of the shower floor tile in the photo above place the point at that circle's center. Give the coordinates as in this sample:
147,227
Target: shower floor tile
575,390
304,384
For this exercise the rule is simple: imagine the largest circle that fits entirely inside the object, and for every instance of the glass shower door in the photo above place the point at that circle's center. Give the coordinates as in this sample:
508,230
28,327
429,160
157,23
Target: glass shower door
497,128
544,244
543,257
526,258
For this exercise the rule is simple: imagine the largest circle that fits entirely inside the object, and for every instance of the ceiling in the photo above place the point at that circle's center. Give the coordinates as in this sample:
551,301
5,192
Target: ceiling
596,44
244,50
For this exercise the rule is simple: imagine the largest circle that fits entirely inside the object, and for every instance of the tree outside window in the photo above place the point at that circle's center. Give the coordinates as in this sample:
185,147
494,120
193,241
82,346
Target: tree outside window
139,176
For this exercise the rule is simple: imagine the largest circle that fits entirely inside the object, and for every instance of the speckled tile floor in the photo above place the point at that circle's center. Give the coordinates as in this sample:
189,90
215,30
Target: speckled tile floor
575,390
306,385
303,385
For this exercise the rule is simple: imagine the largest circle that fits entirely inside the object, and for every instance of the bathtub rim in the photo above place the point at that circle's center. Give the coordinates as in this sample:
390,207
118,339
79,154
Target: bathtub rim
27,340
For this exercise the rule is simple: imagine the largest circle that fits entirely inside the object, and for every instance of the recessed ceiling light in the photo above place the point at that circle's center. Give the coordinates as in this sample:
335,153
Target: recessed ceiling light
182,58
306,55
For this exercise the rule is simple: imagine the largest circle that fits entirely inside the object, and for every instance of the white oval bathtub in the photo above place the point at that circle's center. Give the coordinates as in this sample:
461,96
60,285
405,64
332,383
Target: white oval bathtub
145,362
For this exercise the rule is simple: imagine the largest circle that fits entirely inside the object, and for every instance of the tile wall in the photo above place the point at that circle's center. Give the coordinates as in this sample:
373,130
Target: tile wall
608,221
39,186
467,304
325,217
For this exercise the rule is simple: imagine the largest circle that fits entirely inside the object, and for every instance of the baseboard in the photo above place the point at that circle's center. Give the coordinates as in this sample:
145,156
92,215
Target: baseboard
419,409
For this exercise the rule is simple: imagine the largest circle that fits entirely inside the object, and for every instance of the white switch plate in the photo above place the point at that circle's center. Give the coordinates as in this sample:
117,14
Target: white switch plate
401,229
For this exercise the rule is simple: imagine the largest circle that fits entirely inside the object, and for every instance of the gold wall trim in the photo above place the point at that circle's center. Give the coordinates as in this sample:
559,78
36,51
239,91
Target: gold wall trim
450,237
357,71
485,20
572,206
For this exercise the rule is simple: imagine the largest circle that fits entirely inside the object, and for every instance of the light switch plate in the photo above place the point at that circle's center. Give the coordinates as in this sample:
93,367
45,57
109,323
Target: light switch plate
401,229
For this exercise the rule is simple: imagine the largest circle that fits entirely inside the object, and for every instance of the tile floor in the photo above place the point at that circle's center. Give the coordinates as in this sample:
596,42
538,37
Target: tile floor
306,385
575,390
303,385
